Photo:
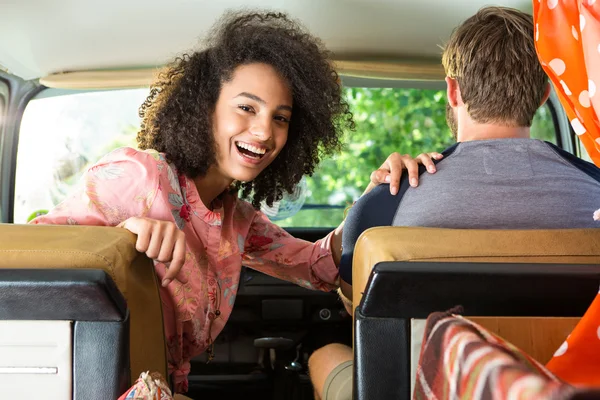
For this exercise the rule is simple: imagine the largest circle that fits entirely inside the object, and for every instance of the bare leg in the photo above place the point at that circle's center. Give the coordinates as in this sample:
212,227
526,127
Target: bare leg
323,361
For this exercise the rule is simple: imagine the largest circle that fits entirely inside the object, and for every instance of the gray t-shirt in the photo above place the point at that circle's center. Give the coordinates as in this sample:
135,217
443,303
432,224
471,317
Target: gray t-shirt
496,184
485,184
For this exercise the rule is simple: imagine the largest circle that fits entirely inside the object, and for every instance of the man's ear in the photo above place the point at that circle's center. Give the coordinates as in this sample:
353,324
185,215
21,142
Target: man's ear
546,94
452,92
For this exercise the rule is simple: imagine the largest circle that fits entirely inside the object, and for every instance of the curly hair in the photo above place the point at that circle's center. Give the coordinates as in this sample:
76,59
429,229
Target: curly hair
176,116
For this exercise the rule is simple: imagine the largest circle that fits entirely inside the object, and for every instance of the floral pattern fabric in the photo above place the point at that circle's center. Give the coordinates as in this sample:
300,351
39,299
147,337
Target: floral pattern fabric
128,183
149,386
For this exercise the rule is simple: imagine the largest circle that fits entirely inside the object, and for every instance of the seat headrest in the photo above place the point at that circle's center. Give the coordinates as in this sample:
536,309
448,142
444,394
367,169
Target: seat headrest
566,246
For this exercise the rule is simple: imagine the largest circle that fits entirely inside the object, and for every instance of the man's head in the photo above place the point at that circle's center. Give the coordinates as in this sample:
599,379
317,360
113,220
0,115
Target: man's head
493,73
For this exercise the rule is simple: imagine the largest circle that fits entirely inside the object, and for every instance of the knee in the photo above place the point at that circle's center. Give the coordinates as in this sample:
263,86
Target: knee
323,362
327,357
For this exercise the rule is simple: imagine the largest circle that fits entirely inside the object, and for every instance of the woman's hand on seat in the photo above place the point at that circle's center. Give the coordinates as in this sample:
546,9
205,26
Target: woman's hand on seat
159,240
391,170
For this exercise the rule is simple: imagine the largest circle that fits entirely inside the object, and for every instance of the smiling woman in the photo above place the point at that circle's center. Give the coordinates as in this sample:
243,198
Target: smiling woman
253,111
250,122
298,63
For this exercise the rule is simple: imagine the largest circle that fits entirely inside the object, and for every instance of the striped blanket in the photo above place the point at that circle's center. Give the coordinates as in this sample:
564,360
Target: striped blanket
461,360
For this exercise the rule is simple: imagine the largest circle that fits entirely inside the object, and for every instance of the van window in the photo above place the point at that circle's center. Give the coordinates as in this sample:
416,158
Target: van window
543,125
407,121
63,134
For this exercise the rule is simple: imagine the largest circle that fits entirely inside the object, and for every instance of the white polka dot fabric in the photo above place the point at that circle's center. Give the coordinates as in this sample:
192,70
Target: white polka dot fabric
567,36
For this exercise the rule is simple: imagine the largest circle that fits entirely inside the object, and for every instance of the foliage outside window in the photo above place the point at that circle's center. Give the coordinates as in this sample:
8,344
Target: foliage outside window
407,121
542,127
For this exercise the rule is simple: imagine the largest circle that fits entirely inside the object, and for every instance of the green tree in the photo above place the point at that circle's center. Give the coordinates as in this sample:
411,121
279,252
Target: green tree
543,125
407,121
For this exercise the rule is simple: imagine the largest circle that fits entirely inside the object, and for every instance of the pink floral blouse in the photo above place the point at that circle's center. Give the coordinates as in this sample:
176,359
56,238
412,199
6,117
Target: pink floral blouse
128,183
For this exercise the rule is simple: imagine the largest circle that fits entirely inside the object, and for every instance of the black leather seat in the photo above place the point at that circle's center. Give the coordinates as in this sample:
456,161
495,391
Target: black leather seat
108,249
98,317
398,292
406,273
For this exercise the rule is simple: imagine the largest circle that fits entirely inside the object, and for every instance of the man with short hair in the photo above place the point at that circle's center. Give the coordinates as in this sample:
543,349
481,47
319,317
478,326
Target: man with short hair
495,177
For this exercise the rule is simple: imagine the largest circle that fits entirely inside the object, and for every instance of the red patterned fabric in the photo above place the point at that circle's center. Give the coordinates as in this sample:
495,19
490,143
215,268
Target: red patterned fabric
461,360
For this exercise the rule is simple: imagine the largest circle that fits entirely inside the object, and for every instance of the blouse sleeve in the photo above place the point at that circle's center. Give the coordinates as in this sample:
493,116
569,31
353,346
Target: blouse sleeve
270,249
121,185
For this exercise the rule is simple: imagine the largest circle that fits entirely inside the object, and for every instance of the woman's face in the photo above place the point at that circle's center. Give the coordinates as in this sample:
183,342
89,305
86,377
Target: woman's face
251,121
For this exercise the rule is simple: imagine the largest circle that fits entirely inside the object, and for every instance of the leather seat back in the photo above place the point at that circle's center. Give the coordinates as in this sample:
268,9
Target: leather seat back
561,246
402,274
64,334
108,249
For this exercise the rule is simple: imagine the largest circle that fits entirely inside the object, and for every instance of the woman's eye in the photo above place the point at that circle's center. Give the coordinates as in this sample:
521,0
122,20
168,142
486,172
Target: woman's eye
281,118
245,108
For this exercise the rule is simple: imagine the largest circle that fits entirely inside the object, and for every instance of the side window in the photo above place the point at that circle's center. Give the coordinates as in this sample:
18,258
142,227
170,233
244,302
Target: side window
543,127
407,121
2,118
61,135
581,150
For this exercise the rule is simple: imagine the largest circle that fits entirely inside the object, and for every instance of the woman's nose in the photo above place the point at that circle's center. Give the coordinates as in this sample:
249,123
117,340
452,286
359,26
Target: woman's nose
262,129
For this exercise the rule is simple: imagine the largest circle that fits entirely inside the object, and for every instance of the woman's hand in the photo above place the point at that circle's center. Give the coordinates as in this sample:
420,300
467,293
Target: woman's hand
161,241
391,170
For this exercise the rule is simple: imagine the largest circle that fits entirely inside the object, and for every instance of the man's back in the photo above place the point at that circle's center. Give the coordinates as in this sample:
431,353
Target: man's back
486,184
507,183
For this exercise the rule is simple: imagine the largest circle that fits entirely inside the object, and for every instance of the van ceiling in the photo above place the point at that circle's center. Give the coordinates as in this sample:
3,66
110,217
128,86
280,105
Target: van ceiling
41,37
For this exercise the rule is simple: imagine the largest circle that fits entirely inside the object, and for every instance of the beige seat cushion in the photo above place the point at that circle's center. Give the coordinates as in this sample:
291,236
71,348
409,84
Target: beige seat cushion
571,246
108,249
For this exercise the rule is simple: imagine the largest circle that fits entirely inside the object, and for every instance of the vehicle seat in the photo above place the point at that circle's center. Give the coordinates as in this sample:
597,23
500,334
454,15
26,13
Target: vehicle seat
112,250
517,282
63,333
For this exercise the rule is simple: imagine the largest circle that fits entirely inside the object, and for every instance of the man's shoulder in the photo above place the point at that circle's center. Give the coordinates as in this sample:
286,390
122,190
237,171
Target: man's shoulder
376,205
584,166
381,197
380,205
